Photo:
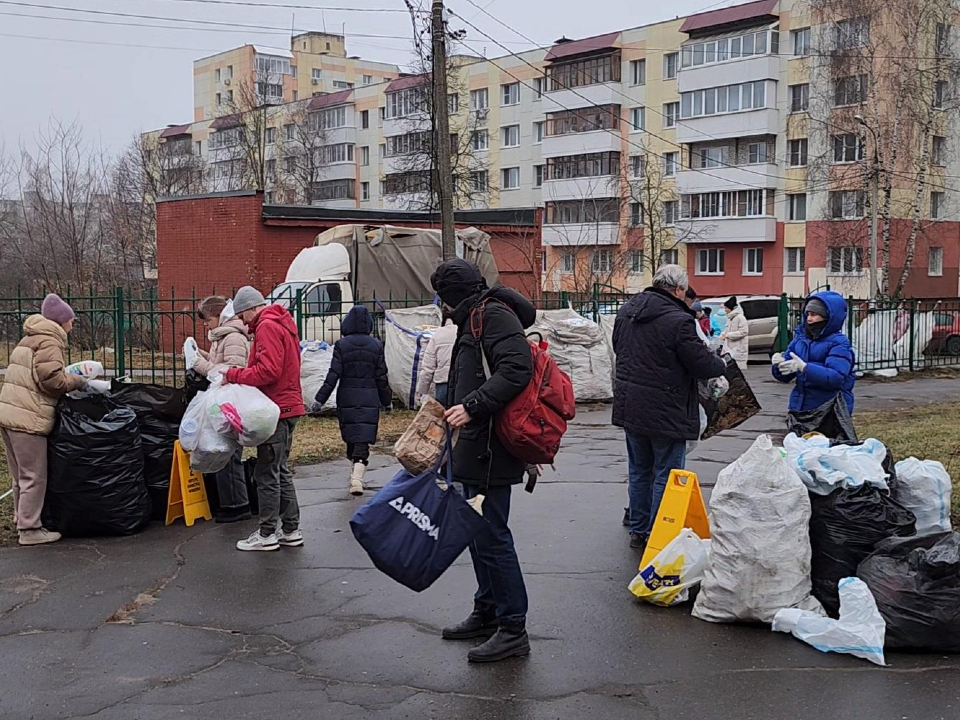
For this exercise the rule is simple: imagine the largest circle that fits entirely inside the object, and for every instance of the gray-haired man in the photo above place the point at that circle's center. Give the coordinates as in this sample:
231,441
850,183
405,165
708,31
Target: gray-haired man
659,360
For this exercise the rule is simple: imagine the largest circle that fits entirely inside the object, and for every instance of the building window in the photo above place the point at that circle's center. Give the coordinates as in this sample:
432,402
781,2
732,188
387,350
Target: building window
845,260
938,150
479,99
538,129
670,212
573,212
368,79
638,118
510,136
799,98
510,178
636,214
638,166
270,136
538,173
409,144
290,164
671,163
364,191
635,262
417,181
937,205
852,33
726,48
756,153
728,204
847,148
269,197
539,88
566,262
577,73
219,100
405,102
271,168
453,103
638,72
753,261
289,132
230,71
935,262
342,85
602,117
798,206
846,204
725,99
198,148
216,75
712,157
670,257
671,112
710,261
480,140
230,96
801,41
850,90
510,94
365,155
670,65
940,94
316,74
797,156
383,150
334,190
795,261
602,261
478,181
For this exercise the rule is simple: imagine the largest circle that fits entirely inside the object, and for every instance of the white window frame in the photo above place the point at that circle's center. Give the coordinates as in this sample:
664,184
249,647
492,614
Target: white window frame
671,114
636,214
601,261
508,173
752,258
539,172
480,99
670,257
803,89
938,150
480,140
794,204
567,262
707,257
539,87
802,153
848,258
794,261
757,153
635,262
539,130
638,166
479,181
509,94
671,212
316,74
935,262
368,79
671,65
638,72
364,191
365,155
505,136
801,41
638,119
671,164
937,202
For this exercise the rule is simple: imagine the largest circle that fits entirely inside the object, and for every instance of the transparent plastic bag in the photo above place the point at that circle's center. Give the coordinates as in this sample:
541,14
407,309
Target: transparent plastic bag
680,566
924,488
824,467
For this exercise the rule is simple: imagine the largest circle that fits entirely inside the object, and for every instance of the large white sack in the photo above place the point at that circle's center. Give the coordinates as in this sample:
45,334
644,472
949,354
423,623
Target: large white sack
824,467
406,335
759,559
924,488
580,349
315,358
920,335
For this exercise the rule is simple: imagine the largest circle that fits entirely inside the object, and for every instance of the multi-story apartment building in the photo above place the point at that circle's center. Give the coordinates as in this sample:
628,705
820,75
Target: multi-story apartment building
740,142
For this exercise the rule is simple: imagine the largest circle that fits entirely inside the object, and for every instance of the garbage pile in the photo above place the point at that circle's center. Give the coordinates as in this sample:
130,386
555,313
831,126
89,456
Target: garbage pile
828,540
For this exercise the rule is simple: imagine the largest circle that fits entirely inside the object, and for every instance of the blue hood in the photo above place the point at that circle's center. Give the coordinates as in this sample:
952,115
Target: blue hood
357,322
836,307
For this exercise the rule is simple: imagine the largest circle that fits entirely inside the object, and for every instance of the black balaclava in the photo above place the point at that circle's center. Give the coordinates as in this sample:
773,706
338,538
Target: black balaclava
818,306
456,280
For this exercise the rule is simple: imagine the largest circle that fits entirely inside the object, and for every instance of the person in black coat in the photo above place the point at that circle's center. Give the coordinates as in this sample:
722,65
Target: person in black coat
359,372
475,395
660,357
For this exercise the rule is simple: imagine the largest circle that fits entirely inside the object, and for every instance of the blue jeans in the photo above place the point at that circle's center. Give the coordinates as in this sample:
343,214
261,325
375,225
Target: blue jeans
499,580
441,393
650,461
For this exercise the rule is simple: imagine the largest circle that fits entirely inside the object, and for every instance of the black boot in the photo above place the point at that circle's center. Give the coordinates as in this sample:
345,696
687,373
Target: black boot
479,623
508,642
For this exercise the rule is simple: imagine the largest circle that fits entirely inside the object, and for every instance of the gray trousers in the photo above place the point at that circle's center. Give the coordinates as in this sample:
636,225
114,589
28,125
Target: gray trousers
278,496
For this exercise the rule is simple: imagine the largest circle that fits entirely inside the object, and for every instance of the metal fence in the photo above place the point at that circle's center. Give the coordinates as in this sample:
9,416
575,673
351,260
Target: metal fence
909,334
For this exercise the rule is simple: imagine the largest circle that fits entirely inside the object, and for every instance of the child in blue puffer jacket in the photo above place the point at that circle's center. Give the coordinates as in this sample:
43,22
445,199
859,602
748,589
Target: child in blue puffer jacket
820,357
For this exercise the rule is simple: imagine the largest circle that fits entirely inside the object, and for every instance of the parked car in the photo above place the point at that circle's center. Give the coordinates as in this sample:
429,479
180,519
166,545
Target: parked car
762,313
946,335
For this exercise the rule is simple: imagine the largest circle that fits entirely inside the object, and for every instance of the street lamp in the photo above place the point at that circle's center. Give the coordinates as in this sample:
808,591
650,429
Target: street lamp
874,201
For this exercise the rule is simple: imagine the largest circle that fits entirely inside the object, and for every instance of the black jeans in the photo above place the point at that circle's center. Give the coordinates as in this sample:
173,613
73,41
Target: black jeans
358,452
500,583
278,496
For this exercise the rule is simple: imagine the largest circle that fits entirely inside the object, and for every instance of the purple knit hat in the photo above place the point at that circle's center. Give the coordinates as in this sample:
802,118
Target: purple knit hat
55,309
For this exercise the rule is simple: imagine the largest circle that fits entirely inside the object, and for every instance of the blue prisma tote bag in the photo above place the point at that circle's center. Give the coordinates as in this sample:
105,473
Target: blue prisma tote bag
416,526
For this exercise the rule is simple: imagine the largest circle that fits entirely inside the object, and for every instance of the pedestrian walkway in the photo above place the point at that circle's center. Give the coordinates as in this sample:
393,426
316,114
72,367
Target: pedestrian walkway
175,623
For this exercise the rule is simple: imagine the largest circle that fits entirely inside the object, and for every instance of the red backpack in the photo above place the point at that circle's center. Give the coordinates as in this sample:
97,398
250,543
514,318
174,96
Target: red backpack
531,425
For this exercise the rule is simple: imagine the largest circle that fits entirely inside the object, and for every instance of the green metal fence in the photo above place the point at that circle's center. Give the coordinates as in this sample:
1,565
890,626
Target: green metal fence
908,334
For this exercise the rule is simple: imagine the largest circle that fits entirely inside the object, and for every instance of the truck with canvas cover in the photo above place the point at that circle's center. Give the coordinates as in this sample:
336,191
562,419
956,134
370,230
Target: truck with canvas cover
351,263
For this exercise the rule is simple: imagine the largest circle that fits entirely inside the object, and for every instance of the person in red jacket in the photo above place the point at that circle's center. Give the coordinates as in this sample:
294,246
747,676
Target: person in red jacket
273,366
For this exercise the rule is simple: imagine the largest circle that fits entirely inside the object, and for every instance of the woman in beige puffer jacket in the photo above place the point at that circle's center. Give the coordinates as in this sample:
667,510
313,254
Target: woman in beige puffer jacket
34,382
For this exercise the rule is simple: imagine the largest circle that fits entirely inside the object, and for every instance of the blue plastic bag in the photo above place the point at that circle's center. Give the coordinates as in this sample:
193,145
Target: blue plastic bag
416,526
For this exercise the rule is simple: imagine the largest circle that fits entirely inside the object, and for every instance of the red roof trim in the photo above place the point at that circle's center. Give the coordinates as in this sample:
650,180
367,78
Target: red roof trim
582,47
225,122
406,83
730,15
324,101
175,130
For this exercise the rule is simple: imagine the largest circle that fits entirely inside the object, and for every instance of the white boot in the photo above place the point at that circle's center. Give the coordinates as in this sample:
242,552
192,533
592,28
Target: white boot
356,478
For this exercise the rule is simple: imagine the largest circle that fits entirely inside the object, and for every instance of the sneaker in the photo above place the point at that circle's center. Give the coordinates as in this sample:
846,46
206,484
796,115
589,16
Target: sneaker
294,538
637,541
38,537
256,541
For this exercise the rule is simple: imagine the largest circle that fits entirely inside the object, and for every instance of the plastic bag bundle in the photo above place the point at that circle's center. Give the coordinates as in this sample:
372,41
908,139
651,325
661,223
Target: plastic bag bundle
924,488
759,560
315,359
824,467
916,582
209,448
859,632
245,412
669,577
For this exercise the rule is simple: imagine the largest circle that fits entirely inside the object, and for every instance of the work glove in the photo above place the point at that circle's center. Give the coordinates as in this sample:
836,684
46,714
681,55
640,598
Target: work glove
792,366
777,359
190,353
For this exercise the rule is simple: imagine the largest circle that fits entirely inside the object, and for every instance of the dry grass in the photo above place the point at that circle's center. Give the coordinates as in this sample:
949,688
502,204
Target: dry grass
929,433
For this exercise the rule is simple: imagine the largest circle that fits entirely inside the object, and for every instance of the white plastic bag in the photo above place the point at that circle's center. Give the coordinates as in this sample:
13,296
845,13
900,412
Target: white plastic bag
860,631
668,578
823,468
759,559
209,449
243,412
315,359
692,444
85,368
924,488
190,352
227,313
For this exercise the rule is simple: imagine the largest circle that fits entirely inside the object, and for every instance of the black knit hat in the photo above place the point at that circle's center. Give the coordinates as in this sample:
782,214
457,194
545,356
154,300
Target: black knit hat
456,280
731,302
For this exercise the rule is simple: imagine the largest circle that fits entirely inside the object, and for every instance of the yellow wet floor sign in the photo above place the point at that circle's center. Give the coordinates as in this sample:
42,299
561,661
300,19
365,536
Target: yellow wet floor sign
187,497
682,506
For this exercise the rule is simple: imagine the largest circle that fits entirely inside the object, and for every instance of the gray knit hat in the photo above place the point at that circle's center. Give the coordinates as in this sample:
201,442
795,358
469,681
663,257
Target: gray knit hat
817,306
247,298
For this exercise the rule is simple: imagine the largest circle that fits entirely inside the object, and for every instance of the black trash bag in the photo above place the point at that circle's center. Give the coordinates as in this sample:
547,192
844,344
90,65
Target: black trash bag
195,383
831,419
916,583
249,468
95,480
738,405
159,411
845,527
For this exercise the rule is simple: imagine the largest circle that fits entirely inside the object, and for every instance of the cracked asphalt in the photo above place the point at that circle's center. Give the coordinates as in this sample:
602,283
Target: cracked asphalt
175,623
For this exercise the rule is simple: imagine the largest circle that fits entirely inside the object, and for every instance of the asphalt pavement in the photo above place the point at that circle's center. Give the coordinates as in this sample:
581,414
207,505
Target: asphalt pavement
175,623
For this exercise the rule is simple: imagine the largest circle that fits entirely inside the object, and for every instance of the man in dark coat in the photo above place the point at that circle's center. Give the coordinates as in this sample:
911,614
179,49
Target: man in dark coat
659,360
359,372
475,395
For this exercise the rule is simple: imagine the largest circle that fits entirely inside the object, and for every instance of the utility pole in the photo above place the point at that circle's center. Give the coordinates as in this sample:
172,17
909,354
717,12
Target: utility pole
441,132
874,201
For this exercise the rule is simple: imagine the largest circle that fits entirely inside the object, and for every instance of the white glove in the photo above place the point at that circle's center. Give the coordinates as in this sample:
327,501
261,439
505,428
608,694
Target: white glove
777,359
792,366
190,353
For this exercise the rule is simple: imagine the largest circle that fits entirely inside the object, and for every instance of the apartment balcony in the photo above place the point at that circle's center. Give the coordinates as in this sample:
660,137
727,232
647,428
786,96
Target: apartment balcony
342,204
335,136
407,201
719,179
581,235
405,125
765,121
730,230
584,188
405,163
337,171
580,143
584,96
701,77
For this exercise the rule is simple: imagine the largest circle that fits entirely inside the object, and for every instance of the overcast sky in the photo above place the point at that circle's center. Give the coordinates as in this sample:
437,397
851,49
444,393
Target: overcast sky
142,79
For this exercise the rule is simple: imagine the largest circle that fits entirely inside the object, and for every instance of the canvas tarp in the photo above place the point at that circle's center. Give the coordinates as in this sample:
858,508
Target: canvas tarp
580,348
406,334
399,261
